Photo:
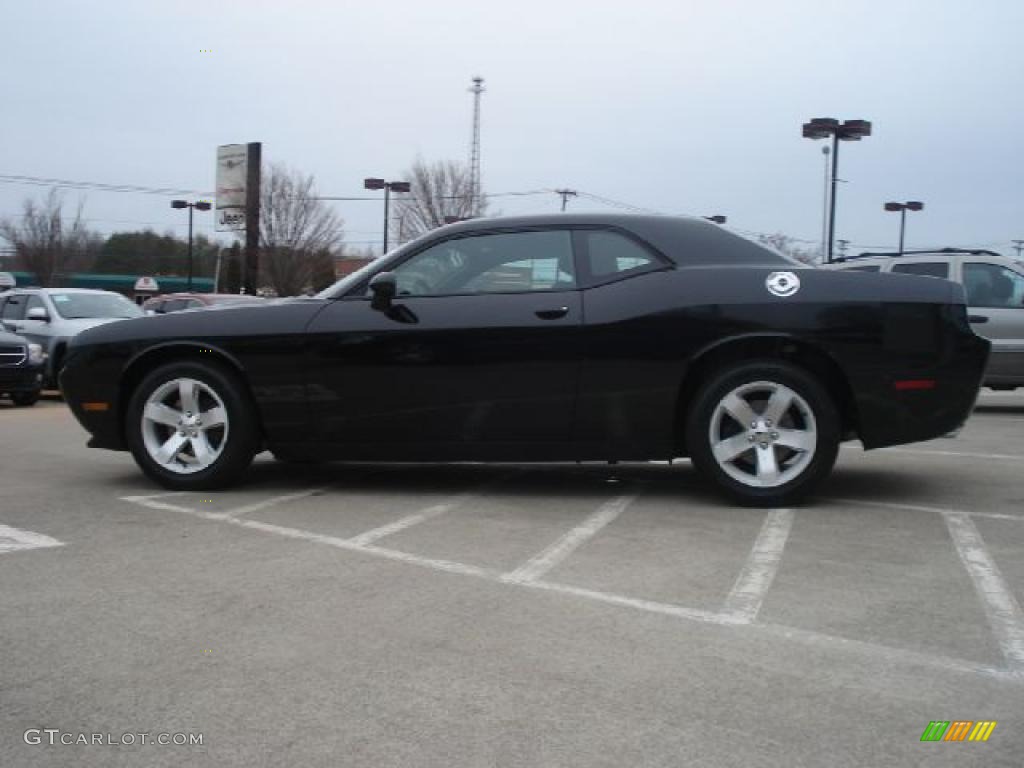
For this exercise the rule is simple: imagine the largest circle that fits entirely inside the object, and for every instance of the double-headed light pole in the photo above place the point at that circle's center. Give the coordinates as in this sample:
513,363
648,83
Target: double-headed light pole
200,205
388,187
848,130
910,205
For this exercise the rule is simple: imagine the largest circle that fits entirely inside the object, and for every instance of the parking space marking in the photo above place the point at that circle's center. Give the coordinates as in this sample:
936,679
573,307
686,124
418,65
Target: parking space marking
1001,607
744,600
15,540
414,519
1013,674
540,564
249,508
922,508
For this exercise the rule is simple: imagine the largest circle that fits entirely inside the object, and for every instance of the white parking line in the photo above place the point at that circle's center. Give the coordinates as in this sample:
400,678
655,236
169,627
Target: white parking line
1014,674
540,564
922,508
15,539
1001,607
415,519
249,508
748,593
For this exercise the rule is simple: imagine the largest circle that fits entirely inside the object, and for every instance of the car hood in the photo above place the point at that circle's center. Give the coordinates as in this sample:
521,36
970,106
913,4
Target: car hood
11,338
76,326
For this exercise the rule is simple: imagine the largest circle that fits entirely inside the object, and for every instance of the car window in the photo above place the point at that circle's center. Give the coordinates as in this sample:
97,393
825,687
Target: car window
14,309
990,285
499,263
34,302
609,254
174,305
926,268
193,304
77,306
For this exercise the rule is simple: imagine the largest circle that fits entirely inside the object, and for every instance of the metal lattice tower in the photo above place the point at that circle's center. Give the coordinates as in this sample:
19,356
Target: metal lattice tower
474,150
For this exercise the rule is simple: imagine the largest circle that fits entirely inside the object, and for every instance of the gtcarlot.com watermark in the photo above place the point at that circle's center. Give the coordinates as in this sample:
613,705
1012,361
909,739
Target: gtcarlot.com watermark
56,737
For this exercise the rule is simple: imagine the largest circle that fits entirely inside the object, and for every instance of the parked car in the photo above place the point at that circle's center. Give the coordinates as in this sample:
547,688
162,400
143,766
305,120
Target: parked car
51,317
544,338
175,302
21,369
995,298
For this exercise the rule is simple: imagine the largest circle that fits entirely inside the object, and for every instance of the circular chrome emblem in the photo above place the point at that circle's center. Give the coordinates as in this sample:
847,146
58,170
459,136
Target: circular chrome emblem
782,283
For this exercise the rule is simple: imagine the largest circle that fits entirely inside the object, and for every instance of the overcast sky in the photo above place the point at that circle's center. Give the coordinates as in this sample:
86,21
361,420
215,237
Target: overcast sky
680,107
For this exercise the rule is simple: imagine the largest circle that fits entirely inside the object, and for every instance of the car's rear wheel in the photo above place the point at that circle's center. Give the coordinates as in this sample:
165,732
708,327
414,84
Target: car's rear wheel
191,426
766,432
25,398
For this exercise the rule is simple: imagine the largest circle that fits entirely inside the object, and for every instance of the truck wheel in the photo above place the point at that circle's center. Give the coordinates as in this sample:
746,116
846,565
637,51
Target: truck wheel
766,432
191,426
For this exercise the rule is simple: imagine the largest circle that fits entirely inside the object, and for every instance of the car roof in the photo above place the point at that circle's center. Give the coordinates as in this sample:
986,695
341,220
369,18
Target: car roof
37,289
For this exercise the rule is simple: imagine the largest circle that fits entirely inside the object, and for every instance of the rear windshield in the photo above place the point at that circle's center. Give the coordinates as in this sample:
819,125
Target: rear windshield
77,306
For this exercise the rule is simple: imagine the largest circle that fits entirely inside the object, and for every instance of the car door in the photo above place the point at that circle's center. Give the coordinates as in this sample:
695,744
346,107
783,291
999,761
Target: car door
995,300
477,357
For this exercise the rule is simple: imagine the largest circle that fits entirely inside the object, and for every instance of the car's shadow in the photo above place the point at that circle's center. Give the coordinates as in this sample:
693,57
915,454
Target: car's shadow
678,483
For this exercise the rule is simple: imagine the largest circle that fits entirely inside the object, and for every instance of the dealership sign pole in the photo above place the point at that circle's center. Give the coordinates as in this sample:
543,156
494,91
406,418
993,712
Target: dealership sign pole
238,201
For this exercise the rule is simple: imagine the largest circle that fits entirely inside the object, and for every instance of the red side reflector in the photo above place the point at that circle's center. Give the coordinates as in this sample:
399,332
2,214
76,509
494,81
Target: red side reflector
905,385
95,406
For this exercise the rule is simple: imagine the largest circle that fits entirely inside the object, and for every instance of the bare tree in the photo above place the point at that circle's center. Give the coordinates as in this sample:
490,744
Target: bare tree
440,191
47,245
299,235
789,246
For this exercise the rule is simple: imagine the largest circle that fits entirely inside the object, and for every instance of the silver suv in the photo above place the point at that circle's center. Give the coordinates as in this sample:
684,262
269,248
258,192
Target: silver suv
51,316
995,298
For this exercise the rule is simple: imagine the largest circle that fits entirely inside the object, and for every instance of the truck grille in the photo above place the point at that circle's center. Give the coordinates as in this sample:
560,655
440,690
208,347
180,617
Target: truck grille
12,354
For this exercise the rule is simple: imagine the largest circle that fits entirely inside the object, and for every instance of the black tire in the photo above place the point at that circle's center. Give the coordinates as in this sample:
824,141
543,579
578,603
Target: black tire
241,440
25,398
807,473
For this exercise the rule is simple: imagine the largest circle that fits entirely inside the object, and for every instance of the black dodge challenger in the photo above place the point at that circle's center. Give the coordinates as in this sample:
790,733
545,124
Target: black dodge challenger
544,338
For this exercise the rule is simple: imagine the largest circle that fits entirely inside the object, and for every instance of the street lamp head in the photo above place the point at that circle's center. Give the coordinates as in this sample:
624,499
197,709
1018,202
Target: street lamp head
202,205
855,130
915,205
373,183
717,218
812,131
894,206
179,204
400,186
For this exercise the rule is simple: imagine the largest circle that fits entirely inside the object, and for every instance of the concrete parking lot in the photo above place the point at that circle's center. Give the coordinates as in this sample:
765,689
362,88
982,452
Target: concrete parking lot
470,615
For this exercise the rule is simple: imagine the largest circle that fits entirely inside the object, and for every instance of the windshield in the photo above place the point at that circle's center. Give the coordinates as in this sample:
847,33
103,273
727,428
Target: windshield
348,281
77,306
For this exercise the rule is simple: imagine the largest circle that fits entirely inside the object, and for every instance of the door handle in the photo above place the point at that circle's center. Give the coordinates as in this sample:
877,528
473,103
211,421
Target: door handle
977,318
552,314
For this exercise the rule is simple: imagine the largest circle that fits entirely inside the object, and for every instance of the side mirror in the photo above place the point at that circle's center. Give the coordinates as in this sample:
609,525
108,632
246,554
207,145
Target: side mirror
384,286
38,313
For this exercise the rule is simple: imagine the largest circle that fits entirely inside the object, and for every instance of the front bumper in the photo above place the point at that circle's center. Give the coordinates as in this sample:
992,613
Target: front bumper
21,378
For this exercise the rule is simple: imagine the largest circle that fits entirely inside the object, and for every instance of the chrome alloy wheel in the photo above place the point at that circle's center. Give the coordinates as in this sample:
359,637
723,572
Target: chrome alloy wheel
763,434
184,426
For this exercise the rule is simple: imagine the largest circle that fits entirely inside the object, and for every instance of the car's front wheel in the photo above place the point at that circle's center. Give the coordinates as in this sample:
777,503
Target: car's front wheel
25,398
191,426
766,432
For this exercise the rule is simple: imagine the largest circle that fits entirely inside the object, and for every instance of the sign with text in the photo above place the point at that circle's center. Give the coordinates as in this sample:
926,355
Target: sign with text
232,175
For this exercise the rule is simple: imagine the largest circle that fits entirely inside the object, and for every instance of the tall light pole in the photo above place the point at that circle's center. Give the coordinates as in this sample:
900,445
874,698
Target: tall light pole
848,130
910,205
201,205
825,150
388,187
